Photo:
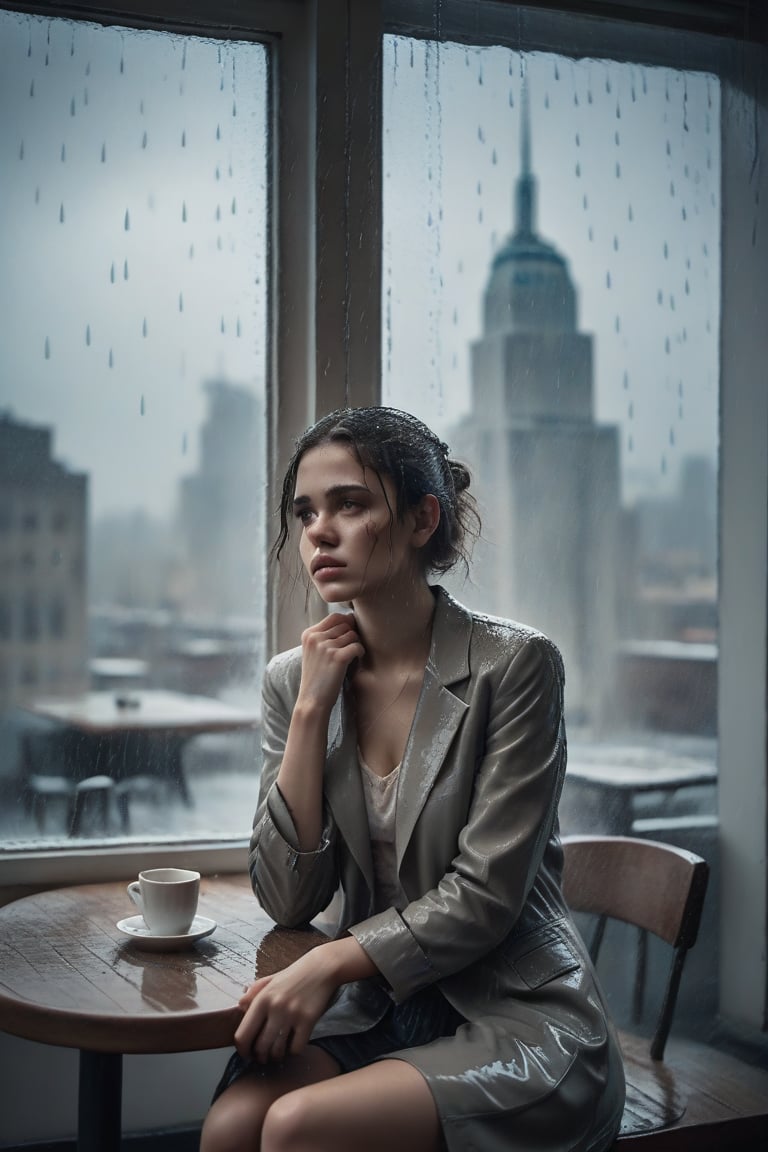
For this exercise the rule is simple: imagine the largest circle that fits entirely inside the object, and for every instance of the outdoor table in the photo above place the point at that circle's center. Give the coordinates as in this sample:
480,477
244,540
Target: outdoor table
68,977
107,721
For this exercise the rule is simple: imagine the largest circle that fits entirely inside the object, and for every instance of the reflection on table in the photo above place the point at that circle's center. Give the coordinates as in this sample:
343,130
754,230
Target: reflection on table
104,744
68,977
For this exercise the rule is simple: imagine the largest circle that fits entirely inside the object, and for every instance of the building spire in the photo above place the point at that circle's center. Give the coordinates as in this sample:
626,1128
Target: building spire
525,190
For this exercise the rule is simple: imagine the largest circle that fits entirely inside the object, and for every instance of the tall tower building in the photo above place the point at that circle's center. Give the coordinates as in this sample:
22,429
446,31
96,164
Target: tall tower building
547,474
221,507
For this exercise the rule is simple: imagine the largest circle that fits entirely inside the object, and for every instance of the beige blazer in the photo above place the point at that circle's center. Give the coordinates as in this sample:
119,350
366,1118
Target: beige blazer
477,838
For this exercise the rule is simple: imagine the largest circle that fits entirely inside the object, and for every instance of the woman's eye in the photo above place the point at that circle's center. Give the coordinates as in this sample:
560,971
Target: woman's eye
305,516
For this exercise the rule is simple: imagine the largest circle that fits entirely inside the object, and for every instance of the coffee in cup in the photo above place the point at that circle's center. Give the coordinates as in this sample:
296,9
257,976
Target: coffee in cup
167,899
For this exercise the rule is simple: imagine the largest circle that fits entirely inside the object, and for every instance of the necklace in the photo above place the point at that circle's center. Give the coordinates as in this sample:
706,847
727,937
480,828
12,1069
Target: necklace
367,727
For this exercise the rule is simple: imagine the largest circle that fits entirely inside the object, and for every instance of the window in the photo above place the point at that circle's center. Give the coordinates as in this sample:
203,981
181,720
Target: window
551,295
136,178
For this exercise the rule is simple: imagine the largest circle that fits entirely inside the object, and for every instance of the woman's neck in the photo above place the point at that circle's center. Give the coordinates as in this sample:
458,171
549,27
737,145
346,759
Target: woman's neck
396,630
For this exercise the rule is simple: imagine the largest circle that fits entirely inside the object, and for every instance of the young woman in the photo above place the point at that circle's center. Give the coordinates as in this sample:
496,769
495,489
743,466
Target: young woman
414,755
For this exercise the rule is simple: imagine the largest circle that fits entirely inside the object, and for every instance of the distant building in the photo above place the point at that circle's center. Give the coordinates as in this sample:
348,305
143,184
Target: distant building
43,649
548,475
221,508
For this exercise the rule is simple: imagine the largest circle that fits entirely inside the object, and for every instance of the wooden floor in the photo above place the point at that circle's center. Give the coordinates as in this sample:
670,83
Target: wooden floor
714,1101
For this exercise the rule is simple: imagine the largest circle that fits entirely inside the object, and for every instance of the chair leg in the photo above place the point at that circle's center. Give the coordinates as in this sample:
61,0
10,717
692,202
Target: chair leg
638,995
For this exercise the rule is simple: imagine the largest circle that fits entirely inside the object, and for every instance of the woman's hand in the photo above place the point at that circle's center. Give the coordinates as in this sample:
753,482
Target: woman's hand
281,1010
328,648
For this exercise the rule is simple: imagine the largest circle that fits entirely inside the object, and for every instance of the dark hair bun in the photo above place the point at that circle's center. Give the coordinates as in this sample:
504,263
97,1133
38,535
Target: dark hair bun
460,474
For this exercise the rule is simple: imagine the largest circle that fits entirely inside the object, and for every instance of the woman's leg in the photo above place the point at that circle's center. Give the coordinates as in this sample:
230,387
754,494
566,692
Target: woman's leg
235,1120
383,1106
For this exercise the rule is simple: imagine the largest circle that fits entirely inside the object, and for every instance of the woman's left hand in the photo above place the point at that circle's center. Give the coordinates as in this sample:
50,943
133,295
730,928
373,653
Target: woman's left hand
281,1010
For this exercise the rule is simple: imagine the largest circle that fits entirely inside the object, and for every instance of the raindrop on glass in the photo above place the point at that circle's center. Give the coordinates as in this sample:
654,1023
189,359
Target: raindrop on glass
47,348
625,380
684,213
63,153
667,346
72,106
184,444
87,335
234,206
608,279
141,406
144,327
21,151
61,214
112,273
32,90
127,221
238,330
122,65
184,139
37,195
672,437
618,170
144,140
630,214
615,243
578,140
687,288
222,326
659,297
578,169
234,108
103,153
617,324
125,270
494,158
585,202
181,301
191,251
218,133
666,250
111,360
480,134
184,212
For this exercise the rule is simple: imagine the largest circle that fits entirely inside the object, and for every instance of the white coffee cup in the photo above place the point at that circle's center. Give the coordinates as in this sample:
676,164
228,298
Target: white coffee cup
167,899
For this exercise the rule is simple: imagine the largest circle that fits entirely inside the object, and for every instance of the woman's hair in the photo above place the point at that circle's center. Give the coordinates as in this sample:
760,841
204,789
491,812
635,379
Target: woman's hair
395,444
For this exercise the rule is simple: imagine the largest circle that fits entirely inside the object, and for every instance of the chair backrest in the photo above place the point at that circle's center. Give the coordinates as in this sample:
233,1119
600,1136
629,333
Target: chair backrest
657,887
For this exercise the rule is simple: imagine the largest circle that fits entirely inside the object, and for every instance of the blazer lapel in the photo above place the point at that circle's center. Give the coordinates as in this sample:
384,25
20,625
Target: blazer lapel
344,789
439,714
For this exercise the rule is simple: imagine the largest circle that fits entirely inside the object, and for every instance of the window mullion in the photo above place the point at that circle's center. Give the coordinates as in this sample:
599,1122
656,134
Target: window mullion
348,203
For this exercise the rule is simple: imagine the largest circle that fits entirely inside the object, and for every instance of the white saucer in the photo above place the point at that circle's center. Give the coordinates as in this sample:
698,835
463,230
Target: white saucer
136,930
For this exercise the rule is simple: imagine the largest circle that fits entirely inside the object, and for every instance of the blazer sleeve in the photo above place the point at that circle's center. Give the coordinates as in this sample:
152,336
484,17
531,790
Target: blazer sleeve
291,886
501,847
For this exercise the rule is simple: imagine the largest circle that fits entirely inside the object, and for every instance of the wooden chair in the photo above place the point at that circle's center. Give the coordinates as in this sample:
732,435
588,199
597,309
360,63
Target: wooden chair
704,1099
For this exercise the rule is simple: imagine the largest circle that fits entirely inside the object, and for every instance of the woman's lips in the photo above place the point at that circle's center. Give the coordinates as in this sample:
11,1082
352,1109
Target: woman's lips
326,572
326,567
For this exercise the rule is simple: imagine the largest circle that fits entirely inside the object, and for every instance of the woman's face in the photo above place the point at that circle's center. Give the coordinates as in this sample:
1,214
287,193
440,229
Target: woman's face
352,543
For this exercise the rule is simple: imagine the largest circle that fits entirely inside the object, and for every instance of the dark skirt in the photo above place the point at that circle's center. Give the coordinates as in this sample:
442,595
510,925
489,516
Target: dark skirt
422,1018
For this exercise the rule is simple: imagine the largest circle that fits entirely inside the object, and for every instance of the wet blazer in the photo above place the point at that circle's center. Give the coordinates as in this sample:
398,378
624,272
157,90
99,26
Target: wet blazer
477,838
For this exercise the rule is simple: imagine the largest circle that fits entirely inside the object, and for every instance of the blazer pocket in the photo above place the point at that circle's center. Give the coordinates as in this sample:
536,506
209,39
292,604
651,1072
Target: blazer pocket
542,957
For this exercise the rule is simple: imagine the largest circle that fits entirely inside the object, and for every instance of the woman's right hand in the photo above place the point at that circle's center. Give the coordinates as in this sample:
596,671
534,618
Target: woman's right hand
328,648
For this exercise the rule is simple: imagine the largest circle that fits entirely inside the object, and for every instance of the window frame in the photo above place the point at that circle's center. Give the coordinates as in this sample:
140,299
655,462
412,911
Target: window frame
325,308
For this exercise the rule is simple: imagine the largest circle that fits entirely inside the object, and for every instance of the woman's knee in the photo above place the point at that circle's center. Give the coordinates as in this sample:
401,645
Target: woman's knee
289,1123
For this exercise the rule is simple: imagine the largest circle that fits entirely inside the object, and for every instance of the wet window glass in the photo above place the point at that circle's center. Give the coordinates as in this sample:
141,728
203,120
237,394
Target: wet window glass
132,458
551,303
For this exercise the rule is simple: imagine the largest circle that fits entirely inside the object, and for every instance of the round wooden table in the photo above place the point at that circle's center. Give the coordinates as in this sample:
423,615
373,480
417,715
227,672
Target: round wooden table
69,977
